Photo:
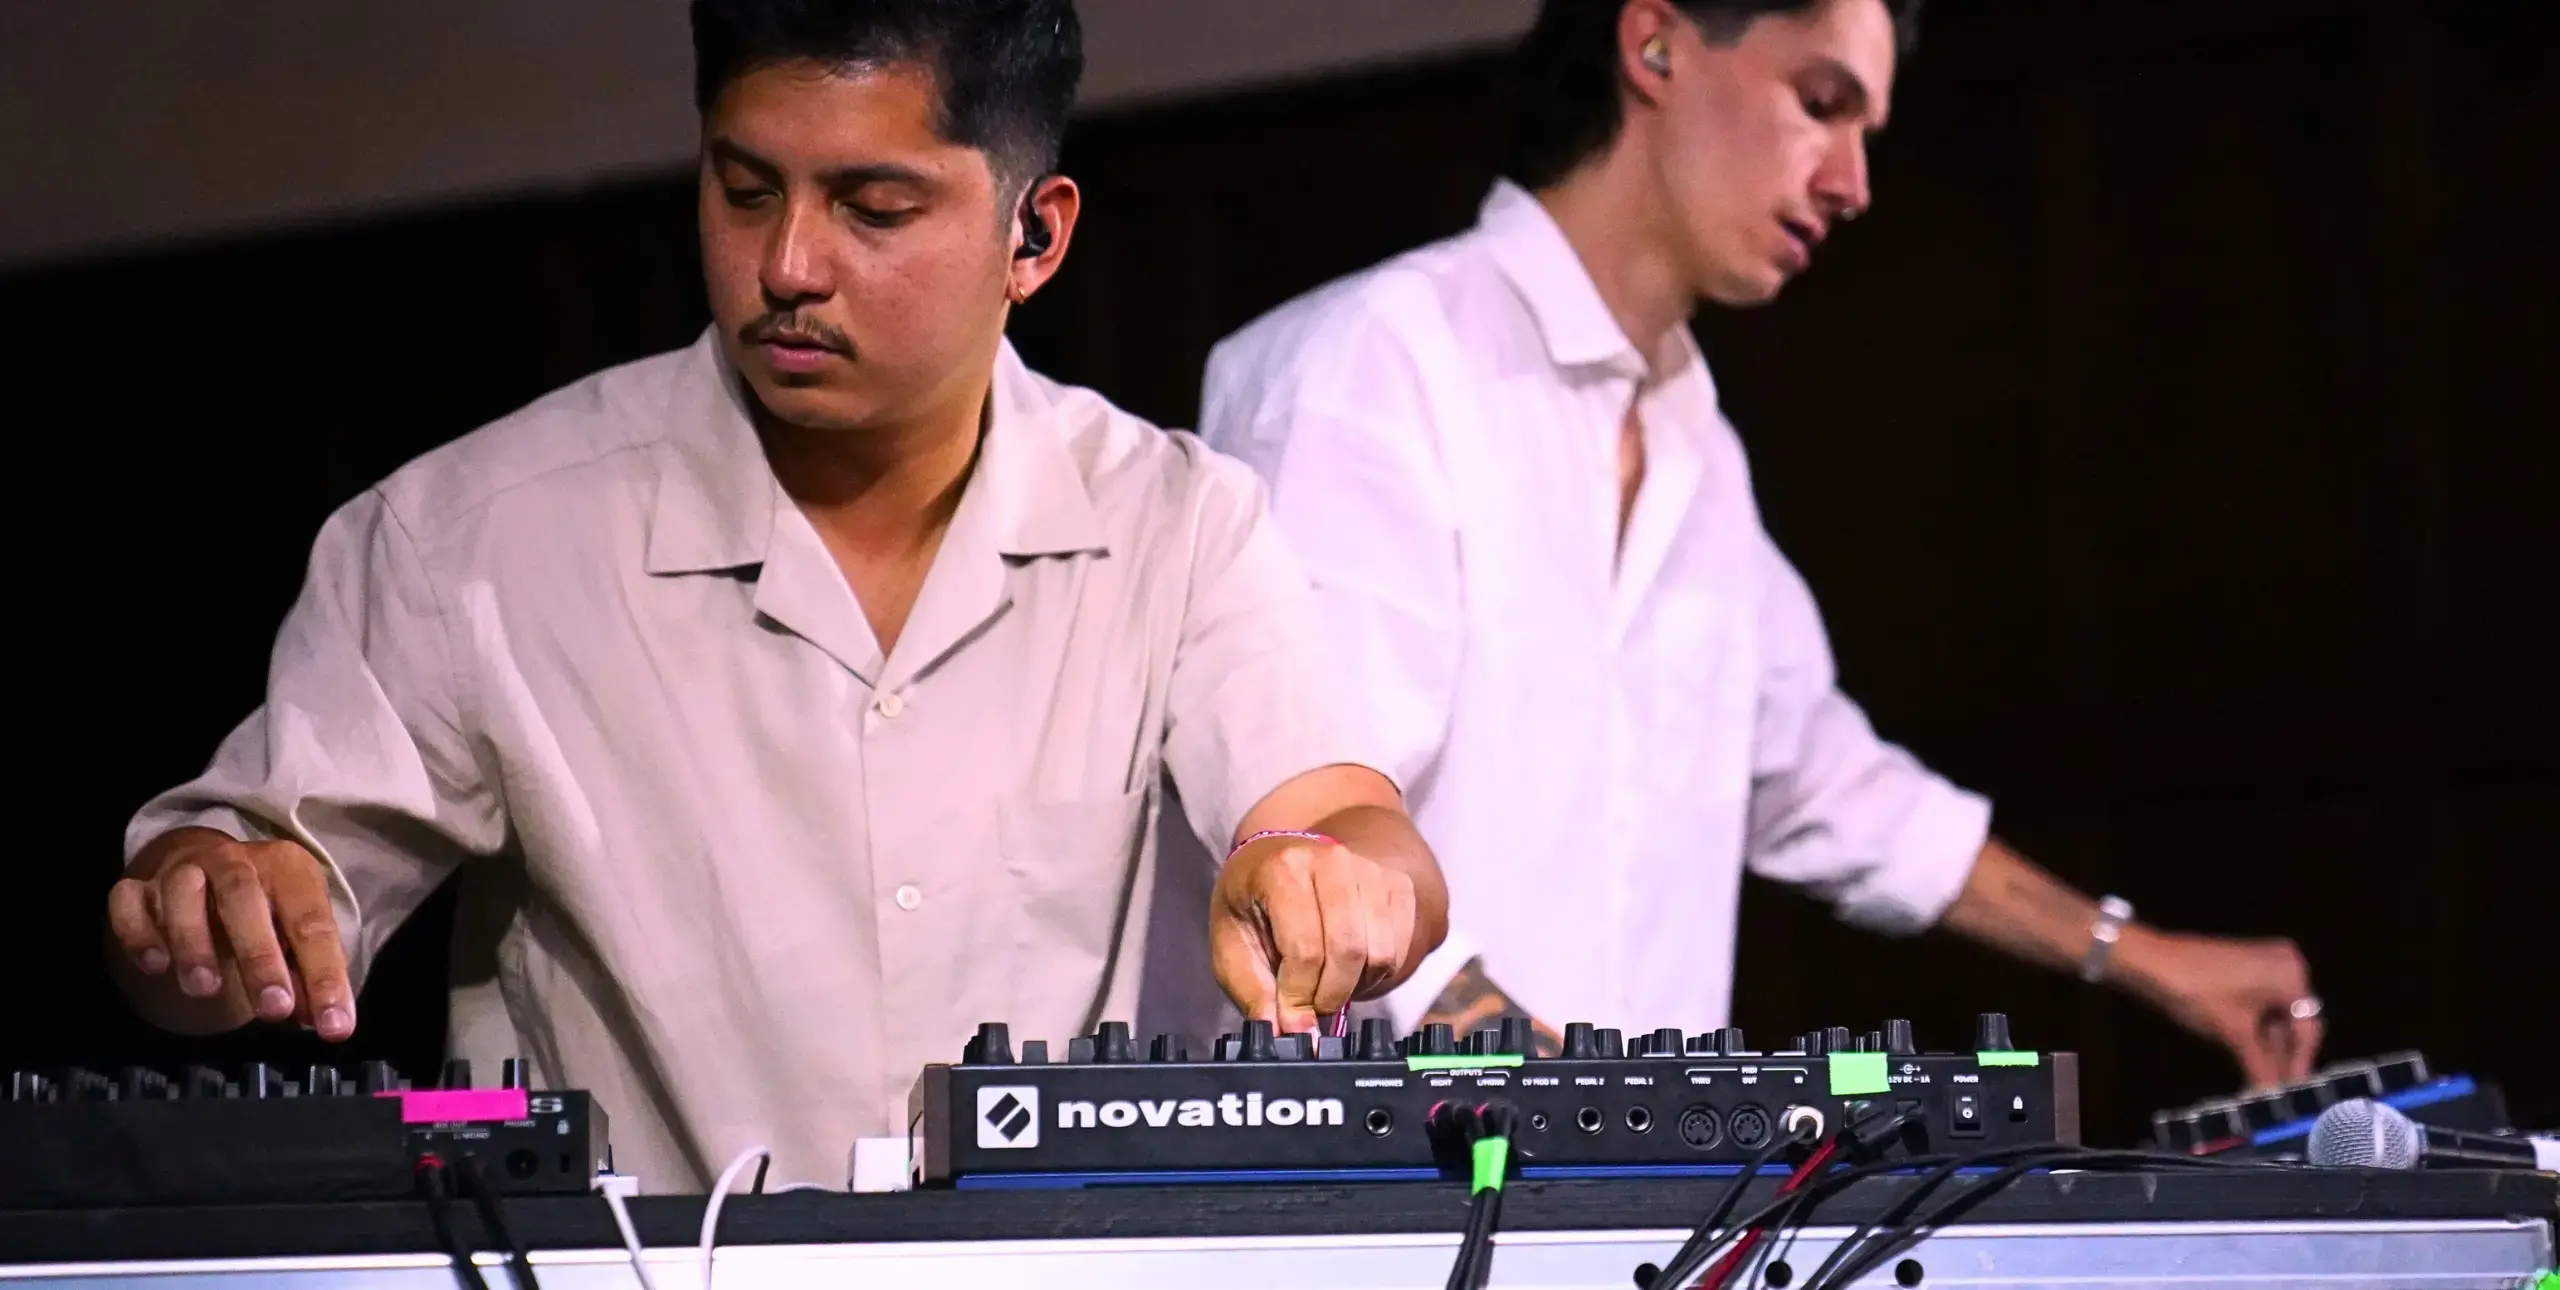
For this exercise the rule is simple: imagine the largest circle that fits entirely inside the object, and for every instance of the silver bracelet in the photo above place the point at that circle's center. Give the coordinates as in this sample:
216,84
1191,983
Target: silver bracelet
2113,913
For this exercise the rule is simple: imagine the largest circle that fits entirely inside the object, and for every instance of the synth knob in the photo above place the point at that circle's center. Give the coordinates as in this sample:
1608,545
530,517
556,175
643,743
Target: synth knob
1485,1042
457,1073
83,1085
1898,1039
1729,1042
1080,1050
322,1081
991,1046
1519,1035
1609,1042
1377,1041
259,1080
1871,1042
1258,1045
1035,1052
1702,1045
27,1086
1835,1039
143,1084
1438,1040
1167,1048
1666,1042
1579,1042
204,1082
377,1077
513,1073
1991,1033
1296,1046
1813,1042
1112,1045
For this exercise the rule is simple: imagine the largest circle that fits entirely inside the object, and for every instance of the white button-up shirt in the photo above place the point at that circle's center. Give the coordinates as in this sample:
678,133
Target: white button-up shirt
1595,741
725,863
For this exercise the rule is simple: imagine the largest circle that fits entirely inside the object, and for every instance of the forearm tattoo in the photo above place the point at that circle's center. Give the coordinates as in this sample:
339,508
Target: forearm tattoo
1472,1002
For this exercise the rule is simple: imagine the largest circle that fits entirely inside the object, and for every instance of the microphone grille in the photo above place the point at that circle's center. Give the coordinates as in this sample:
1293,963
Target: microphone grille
2365,1134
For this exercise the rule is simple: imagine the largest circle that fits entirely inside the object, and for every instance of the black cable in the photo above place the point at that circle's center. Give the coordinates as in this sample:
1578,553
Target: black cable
432,1180
1487,1131
1685,1262
493,1217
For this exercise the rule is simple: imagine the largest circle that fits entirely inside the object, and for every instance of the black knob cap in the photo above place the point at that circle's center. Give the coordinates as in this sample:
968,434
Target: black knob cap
1485,1042
1296,1046
1835,1039
82,1085
1729,1041
1257,1045
1166,1048
1578,1041
1609,1042
1667,1042
1438,1040
1377,1040
1812,1043
204,1082
377,1077
1080,1050
1898,1040
143,1084
1991,1033
1519,1035
27,1086
1035,1052
513,1073
1702,1045
992,1046
1111,1043
457,1073
1871,1042
322,1081
259,1080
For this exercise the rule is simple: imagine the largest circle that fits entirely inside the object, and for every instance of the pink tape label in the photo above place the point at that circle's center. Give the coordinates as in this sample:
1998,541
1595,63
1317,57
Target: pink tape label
445,1105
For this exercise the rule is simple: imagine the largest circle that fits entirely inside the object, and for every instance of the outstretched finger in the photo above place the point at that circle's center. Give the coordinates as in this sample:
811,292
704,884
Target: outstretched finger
325,995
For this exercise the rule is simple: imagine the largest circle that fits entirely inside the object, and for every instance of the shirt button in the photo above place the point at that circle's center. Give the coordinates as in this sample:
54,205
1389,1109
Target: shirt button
890,705
910,897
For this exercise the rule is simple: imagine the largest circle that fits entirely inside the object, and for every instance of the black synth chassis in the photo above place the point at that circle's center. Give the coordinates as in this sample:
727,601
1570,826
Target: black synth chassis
1300,1108
82,1138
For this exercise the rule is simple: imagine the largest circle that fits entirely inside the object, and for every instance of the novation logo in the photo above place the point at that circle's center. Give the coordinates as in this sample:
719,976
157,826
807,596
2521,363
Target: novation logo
1008,1118
1249,1111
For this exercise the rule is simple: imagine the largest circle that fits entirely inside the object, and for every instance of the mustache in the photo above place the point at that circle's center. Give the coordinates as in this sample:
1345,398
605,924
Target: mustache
790,327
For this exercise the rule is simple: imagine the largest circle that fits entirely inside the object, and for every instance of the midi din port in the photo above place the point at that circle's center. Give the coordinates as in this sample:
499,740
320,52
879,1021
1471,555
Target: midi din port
1702,1128
1750,1127
1589,1119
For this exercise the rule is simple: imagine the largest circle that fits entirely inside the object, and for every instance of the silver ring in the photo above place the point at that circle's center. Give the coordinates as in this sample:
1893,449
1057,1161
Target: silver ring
2305,1008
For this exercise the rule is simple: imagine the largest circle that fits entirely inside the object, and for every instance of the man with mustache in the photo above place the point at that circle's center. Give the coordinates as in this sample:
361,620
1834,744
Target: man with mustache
792,702
1502,460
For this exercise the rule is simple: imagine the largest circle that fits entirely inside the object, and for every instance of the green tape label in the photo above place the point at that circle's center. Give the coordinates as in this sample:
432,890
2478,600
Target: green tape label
1857,1074
1463,1062
2008,1059
1491,1155
2549,1281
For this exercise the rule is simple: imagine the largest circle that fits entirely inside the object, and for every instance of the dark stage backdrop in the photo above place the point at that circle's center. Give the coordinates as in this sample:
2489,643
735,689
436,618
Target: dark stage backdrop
2171,454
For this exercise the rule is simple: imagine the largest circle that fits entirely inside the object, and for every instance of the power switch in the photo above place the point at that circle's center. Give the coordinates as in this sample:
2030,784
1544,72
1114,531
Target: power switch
1965,1117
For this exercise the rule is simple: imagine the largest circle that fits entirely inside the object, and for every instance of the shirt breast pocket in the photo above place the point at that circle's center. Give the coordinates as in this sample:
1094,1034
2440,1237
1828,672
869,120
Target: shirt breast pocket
1071,866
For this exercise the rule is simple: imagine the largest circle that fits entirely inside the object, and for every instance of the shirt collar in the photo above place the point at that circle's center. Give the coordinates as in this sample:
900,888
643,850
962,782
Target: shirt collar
1552,281
717,497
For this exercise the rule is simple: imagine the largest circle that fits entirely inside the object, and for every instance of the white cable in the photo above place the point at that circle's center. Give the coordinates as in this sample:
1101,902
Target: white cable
630,1235
719,1195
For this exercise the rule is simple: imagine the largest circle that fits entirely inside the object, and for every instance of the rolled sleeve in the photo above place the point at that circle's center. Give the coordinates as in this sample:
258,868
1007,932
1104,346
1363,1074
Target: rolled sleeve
357,752
1834,808
1257,696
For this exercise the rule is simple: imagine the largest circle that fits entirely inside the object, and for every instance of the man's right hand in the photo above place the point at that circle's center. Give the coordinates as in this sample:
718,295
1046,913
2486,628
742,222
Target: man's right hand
214,932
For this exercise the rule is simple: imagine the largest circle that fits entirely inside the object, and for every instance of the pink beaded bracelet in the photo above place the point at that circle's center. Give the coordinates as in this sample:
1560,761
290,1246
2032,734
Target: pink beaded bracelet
1281,833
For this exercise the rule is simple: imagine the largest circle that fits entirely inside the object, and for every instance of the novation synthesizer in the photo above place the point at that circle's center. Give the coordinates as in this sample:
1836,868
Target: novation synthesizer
140,1137
2277,1123
1362,1107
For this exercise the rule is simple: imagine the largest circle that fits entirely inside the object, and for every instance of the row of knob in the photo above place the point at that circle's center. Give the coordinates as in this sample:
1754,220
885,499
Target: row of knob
255,1080
1111,1043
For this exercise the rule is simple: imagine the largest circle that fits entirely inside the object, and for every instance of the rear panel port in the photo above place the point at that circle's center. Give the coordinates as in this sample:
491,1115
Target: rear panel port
1588,1119
1702,1128
1538,1121
1750,1127
1639,1120
1380,1122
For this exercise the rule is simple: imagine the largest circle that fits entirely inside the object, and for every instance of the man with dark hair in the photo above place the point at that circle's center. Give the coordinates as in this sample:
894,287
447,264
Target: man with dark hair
794,701
1502,461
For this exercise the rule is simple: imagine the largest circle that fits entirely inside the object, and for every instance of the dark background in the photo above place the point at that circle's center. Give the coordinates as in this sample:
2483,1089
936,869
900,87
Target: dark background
2170,452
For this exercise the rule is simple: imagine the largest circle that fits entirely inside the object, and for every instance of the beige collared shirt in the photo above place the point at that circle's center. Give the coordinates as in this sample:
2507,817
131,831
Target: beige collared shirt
724,864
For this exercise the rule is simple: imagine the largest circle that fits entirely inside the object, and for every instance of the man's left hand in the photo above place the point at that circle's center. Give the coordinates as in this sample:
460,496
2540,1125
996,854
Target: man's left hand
1299,927
2243,994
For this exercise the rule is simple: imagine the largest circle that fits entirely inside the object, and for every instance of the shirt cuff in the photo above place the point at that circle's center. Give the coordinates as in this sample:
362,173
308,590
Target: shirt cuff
1407,1003
1928,861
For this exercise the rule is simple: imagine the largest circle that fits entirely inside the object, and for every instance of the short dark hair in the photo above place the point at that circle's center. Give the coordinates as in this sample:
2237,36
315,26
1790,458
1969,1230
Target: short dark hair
1566,81
1006,70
